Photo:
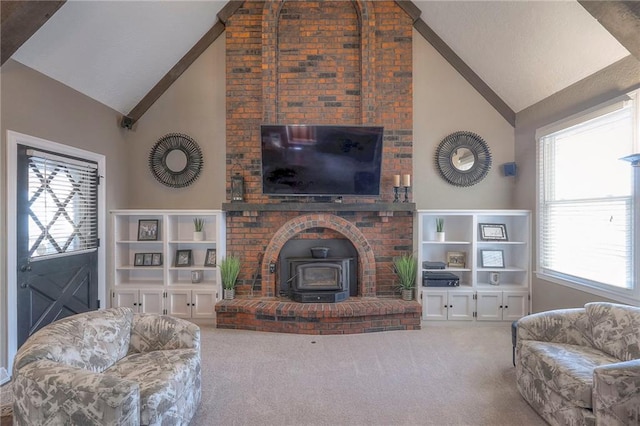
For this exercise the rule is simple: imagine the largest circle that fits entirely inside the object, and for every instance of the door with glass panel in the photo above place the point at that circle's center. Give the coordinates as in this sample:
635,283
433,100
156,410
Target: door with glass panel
57,238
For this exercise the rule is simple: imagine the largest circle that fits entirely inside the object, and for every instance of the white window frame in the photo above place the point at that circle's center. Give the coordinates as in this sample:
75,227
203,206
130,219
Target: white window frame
623,295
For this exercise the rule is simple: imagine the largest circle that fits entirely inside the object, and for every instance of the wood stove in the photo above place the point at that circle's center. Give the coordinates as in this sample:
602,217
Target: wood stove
319,279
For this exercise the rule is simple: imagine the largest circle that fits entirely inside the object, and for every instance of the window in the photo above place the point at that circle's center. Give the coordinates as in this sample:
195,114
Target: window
587,200
62,205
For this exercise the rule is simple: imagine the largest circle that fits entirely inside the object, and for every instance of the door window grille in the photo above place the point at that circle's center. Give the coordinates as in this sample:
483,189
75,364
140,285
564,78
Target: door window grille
63,205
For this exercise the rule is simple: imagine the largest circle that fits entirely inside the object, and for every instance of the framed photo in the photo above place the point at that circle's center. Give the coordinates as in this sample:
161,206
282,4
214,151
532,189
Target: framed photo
148,230
147,259
210,258
156,259
493,232
183,258
138,259
456,259
492,258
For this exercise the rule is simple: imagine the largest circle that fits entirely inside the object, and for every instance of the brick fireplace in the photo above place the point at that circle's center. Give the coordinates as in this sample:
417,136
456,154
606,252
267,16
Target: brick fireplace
318,62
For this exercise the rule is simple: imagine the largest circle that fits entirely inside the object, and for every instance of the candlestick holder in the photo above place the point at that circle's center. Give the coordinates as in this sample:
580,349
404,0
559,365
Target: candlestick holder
406,194
396,194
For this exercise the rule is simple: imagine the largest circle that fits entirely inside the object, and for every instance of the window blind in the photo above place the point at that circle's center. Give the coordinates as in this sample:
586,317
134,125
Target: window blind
586,211
63,205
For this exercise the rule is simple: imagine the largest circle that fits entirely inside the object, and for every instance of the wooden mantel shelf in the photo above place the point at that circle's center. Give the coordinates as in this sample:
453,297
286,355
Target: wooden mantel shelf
319,207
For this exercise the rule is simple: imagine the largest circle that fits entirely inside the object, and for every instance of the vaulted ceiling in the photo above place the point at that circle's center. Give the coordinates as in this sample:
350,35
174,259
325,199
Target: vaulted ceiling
124,54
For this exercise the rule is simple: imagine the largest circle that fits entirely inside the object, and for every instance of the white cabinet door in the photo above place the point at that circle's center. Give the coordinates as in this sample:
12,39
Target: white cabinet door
461,305
150,301
179,303
434,305
442,305
191,303
125,298
489,305
516,305
203,303
502,305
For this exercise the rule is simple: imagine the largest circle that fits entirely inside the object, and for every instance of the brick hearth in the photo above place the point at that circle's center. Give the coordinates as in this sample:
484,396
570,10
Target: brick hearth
356,315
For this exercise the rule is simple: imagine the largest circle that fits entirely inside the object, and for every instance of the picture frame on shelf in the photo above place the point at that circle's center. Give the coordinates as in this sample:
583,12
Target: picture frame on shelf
493,232
148,230
183,258
138,259
456,259
210,258
156,259
147,259
492,258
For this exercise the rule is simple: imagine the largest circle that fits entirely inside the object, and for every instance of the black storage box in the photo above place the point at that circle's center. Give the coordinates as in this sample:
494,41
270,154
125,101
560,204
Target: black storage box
433,265
439,279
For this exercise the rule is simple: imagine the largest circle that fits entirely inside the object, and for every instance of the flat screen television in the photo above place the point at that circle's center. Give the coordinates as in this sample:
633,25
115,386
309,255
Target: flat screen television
321,160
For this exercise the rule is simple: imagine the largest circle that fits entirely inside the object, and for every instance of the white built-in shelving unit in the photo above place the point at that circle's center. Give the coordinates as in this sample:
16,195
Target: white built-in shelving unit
476,298
167,288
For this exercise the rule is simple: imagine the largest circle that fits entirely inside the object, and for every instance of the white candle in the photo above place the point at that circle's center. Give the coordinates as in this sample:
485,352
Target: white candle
396,180
406,180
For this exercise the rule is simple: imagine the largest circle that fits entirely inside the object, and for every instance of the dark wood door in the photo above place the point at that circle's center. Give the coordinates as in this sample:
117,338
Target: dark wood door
50,286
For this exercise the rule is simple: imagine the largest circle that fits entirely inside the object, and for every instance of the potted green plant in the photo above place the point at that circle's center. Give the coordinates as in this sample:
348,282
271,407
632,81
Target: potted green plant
440,229
198,225
229,270
405,267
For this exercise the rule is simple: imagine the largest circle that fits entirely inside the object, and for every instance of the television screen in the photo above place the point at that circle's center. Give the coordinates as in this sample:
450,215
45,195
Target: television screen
321,160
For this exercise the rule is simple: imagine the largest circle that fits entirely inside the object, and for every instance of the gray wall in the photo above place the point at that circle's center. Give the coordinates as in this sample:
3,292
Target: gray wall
194,105
38,106
617,79
443,103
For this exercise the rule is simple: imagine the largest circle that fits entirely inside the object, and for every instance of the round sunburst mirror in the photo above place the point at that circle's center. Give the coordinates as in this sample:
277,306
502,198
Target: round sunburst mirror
463,159
176,160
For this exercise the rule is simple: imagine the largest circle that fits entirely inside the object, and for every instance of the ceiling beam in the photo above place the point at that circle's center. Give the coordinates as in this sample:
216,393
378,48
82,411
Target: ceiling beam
456,62
189,58
20,20
621,19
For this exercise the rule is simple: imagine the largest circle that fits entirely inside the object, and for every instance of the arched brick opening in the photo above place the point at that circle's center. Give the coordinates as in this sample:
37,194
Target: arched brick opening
362,93
366,259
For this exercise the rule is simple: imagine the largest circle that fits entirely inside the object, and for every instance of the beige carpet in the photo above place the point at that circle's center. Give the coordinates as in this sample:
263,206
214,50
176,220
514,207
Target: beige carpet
444,375
441,375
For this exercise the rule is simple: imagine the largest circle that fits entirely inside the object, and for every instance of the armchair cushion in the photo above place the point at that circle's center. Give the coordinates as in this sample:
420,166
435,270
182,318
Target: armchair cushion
615,329
566,369
162,332
92,340
569,326
164,376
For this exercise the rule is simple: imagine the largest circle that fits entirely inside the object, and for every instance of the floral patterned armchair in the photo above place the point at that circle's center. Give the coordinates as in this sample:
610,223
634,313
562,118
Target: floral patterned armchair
109,367
581,366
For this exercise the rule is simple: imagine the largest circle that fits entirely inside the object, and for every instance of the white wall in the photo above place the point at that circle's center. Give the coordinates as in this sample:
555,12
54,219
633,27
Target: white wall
614,80
443,103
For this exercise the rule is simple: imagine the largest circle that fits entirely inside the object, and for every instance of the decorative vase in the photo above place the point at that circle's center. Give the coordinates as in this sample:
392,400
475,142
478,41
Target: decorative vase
198,235
407,294
440,236
229,293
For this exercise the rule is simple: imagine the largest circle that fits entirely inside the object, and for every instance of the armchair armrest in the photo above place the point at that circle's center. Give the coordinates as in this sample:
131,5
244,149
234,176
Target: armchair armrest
616,393
152,332
569,326
47,392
